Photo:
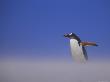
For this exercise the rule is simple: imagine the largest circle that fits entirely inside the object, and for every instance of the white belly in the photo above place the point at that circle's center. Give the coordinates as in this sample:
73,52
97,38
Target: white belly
76,50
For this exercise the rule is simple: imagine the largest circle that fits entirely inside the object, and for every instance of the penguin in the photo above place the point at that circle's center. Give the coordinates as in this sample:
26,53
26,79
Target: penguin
78,51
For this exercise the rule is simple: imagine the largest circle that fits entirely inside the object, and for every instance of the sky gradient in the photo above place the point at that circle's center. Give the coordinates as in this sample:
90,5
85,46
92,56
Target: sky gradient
35,28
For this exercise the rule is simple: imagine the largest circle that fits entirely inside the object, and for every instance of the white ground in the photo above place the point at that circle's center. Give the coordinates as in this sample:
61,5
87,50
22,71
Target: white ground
52,71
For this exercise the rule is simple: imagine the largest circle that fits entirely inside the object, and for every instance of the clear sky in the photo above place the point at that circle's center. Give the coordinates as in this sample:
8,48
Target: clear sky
35,28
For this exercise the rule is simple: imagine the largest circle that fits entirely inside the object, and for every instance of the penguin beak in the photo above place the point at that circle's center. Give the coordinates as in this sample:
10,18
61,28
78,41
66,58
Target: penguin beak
66,35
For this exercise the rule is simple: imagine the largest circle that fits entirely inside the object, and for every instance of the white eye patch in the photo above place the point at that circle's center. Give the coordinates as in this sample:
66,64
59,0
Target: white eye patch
70,34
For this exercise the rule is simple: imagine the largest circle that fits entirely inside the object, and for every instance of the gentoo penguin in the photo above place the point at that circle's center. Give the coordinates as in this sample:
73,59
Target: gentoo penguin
78,50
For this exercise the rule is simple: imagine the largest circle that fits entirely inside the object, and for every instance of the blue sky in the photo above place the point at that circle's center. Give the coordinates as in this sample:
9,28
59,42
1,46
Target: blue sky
35,28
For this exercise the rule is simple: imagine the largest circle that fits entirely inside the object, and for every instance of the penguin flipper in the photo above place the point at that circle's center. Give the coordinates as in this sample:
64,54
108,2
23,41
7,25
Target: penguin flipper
88,44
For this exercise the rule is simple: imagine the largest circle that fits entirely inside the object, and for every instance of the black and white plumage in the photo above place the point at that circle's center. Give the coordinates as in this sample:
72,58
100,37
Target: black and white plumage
78,50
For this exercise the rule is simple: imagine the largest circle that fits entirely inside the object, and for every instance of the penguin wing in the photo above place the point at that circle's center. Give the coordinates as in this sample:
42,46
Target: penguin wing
85,53
88,44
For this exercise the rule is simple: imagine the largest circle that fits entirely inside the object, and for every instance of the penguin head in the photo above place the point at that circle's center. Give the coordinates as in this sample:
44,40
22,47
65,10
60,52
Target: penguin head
72,36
